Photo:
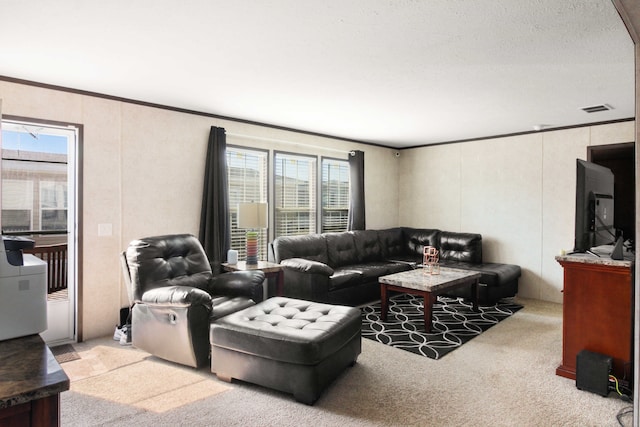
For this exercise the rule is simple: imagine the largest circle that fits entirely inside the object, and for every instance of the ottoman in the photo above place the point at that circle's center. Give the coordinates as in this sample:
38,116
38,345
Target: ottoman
286,344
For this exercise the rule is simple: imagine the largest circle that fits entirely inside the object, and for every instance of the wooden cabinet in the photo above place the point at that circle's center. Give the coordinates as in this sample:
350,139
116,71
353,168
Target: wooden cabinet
31,381
597,312
39,412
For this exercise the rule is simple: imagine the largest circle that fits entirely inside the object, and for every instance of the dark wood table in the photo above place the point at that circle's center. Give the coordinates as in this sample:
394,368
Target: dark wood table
421,283
269,269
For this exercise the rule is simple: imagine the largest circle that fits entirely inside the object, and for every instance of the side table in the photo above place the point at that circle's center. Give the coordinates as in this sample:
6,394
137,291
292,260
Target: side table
269,269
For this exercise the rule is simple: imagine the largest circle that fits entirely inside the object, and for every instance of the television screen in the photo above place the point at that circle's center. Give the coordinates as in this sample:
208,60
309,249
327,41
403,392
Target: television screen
594,222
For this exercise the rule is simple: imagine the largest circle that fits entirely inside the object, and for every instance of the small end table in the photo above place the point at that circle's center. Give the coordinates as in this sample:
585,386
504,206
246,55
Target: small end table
269,269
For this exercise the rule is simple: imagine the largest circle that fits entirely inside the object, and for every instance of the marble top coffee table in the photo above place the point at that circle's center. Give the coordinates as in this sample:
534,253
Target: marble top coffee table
429,286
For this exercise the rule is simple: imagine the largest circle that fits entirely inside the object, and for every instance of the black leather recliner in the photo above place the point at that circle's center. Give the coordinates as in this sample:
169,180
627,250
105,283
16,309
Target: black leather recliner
175,296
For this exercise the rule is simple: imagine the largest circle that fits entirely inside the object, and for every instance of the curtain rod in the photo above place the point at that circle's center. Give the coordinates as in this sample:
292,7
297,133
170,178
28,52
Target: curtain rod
282,141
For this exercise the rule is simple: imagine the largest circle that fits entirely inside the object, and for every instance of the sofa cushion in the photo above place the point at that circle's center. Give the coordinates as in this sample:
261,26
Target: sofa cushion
344,277
371,271
493,274
368,245
341,249
416,239
462,247
392,242
307,266
394,267
310,246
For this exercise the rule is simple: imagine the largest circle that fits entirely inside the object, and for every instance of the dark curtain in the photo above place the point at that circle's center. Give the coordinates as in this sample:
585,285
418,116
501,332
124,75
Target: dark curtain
356,176
215,233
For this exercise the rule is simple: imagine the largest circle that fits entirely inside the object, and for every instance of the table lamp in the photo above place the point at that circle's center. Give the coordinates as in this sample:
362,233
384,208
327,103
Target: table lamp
252,216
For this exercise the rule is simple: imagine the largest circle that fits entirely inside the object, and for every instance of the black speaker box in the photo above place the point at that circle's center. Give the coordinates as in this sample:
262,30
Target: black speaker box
592,372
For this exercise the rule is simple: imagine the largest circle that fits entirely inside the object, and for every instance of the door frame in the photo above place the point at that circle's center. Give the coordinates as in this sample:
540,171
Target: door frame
78,229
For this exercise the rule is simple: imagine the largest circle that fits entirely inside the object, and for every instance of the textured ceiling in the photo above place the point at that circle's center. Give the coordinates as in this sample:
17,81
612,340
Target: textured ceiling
392,72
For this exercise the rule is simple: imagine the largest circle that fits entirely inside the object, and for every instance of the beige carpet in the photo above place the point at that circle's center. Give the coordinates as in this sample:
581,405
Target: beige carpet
504,377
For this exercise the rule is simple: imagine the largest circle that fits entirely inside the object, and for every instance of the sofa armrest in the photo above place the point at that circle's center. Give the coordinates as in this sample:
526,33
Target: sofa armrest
176,296
307,266
239,284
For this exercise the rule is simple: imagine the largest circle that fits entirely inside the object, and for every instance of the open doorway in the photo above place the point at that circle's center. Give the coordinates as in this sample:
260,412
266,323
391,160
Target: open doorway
620,158
39,193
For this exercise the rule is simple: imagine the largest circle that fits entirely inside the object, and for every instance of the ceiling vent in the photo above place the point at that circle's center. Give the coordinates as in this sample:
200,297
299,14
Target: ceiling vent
597,108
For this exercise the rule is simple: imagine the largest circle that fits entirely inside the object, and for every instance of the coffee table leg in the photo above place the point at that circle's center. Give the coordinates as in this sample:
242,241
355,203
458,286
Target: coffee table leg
429,299
383,301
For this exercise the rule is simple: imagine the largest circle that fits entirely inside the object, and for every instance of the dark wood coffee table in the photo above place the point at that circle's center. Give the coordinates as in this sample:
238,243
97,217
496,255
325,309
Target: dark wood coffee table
419,282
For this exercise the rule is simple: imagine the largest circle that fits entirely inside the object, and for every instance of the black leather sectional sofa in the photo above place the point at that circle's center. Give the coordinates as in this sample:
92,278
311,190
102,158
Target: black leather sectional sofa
343,268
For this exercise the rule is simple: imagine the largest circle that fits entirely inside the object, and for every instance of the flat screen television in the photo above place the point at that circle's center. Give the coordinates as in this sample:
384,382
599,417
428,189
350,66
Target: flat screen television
594,206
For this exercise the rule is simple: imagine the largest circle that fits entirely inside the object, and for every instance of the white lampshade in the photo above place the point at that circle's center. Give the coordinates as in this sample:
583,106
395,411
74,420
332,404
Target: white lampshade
253,215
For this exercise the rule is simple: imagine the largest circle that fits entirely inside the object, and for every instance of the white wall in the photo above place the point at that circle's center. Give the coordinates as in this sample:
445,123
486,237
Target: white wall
518,192
144,171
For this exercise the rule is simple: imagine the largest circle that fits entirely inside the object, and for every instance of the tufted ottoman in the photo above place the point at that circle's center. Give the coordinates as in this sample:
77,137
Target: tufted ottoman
286,344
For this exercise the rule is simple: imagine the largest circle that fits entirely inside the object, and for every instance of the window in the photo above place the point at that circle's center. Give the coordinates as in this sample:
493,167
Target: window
17,204
247,181
307,197
295,194
53,205
34,178
335,195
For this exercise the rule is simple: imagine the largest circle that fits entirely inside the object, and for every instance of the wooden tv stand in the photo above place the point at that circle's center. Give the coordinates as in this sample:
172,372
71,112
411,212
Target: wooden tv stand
597,313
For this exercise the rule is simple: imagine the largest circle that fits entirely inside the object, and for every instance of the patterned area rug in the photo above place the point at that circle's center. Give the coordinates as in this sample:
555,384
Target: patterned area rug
454,323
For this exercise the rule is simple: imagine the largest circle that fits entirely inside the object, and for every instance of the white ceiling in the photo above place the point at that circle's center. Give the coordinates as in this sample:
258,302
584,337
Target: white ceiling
392,72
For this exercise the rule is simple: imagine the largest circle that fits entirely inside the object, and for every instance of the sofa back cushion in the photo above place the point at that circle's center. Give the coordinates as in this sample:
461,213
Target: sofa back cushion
464,247
341,248
368,246
309,246
391,242
416,239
